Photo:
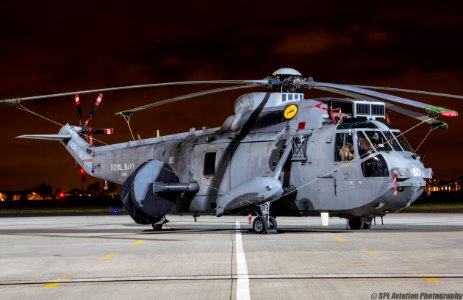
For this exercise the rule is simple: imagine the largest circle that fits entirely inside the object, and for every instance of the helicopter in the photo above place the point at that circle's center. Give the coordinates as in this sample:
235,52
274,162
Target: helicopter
279,154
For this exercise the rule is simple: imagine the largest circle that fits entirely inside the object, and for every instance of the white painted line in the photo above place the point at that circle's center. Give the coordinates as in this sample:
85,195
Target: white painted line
242,285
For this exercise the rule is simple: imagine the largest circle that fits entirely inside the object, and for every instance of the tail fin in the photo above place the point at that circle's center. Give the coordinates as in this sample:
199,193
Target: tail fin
69,136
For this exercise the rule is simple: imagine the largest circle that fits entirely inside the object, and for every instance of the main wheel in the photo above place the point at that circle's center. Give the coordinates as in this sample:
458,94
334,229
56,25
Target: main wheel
260,225
272,223
157,227
367,223
356,223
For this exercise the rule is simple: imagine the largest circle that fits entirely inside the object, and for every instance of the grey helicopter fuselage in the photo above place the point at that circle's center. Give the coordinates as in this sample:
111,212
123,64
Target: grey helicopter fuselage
348,166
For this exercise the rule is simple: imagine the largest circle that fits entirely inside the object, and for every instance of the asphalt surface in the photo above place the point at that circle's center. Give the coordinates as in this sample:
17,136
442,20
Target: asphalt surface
110,257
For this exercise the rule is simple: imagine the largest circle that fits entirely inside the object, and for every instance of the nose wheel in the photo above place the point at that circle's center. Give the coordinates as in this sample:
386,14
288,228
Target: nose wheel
264,223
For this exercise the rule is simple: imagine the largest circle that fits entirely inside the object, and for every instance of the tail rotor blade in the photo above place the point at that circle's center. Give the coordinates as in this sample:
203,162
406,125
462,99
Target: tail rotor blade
79,108
102,130
95,107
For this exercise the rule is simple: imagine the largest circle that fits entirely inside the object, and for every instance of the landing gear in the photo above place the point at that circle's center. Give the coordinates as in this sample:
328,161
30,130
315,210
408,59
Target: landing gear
264,223
367,223
157,224
260,225
357,223
272,223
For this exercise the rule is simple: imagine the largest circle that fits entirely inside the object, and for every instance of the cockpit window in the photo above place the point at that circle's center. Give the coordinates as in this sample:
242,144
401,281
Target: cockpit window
392,141
344,147
403,142
378,140
375,166
363,145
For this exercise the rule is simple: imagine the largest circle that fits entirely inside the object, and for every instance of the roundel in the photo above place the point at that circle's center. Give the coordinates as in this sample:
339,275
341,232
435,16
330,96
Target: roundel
290,111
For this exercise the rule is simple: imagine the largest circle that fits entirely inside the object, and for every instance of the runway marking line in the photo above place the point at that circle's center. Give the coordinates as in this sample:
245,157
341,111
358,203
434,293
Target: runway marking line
51,285
139,242
109,256
432,279
369,252
340,240
242,284
56,284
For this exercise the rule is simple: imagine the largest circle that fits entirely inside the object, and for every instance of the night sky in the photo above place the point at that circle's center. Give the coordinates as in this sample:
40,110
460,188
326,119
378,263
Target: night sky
60,46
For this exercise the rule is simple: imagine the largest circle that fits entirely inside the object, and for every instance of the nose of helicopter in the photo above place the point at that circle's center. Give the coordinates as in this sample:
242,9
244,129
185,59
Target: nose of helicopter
408,180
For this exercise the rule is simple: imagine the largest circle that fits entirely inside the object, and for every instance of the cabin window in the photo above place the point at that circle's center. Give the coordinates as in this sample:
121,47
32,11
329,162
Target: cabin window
403,142
344,147
209,163
392,140
378,140
363,145
283,96
375,166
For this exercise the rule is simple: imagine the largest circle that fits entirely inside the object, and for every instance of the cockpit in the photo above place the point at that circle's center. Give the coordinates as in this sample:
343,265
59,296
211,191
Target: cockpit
367,140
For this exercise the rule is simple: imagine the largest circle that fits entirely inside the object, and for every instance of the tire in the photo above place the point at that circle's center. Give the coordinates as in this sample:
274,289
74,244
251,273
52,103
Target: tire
367,223
157,227
356,223
273,225
260,225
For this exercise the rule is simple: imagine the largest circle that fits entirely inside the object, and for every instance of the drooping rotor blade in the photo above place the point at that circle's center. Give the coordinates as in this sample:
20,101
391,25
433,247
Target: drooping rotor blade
383,88
17,101
95,107
49,137
79,108
413,114
341,89
179,98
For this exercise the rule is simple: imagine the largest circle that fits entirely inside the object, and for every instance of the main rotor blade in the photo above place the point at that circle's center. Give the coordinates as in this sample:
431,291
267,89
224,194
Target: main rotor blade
404,111
16,101
340,88
413,114
383,88
179,98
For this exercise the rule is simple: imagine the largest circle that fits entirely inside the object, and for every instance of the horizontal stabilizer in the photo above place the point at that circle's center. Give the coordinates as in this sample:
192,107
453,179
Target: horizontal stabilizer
49,137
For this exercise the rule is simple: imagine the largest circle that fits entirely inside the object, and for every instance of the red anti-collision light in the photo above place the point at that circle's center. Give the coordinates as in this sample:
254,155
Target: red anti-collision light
449,114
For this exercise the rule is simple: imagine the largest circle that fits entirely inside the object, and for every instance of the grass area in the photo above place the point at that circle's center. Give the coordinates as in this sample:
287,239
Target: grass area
57,210
440,206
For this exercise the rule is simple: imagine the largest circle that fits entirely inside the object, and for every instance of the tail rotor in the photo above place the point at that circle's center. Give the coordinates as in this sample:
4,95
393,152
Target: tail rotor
86,130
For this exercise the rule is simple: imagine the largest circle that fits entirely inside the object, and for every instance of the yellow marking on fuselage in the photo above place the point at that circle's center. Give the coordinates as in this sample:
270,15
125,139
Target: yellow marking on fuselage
139,242
109,256
338,239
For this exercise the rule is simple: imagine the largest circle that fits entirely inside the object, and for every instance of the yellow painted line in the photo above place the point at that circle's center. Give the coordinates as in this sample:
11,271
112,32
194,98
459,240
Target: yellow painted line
341,240
369,252
139,242
109,256
67,278
51,285
432,279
